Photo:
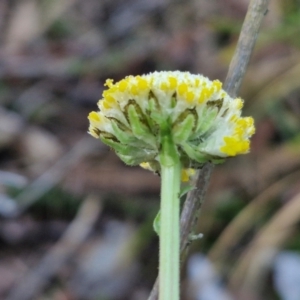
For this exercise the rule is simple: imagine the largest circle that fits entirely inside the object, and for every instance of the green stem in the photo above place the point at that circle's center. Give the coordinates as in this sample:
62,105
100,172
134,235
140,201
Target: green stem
169,254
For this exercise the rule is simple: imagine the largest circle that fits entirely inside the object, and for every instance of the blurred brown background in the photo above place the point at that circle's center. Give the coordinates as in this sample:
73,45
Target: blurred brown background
75,222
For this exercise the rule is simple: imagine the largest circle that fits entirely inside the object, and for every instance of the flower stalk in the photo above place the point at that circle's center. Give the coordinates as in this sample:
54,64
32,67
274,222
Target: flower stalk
169,256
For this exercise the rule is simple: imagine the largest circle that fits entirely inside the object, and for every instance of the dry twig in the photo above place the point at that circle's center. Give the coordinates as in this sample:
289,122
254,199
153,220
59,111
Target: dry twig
237,69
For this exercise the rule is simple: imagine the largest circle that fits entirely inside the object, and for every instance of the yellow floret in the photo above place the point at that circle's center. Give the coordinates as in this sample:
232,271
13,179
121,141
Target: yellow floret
108,101
142,83
109,83
123,85
186,174
239,103
217,85
172,82
233,118
182,89
244,126
134,90
164,86
203,96
190,97
234,146
94,116
197,82
210,92
244,146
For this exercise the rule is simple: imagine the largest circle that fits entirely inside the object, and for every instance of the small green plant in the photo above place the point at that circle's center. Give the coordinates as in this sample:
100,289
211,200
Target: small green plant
170,123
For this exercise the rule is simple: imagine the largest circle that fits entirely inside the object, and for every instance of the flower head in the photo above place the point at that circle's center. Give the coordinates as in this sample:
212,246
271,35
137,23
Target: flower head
204,121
